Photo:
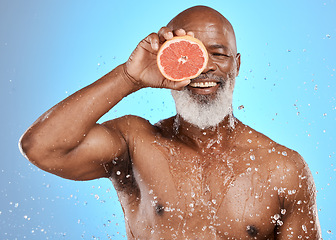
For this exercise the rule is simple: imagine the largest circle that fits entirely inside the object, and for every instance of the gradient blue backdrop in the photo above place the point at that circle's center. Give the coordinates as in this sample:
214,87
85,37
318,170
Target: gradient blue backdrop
50,49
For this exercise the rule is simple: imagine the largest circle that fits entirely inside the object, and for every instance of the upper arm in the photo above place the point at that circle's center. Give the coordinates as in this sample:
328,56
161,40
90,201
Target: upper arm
89,158
300,220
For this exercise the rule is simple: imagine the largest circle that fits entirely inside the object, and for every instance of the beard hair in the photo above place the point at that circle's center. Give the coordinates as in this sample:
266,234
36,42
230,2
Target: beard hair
203,111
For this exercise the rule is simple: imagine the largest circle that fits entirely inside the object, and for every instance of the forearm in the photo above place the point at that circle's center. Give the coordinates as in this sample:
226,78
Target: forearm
65,125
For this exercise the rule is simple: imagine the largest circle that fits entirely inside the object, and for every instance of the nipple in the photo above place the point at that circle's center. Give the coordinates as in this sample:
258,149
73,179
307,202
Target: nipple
251,230
159,209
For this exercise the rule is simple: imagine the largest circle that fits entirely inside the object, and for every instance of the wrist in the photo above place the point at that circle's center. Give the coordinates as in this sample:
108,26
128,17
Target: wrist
130,81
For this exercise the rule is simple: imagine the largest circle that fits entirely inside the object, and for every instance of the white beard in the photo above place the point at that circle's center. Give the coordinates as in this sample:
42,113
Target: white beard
204,112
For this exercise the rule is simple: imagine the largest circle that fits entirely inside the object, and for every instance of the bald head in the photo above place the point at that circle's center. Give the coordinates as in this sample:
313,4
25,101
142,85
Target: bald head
199,13
204,19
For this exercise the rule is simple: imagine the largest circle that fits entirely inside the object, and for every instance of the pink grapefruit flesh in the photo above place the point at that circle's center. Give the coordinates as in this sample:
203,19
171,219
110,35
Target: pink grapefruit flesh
182,58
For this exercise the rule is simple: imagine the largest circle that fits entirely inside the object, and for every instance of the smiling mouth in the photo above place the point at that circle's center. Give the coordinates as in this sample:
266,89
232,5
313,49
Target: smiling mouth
203,84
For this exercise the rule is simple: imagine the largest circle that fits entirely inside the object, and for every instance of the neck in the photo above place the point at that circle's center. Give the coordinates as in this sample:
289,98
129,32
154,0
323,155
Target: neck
205,138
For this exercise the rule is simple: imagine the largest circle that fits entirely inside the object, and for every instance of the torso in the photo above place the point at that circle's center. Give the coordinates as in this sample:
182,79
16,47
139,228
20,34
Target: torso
225,190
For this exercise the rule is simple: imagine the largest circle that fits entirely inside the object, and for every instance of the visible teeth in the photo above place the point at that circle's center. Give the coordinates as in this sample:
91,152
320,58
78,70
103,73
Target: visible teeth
203,84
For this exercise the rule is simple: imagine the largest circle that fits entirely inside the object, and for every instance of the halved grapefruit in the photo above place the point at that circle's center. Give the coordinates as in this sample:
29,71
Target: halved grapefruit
182,58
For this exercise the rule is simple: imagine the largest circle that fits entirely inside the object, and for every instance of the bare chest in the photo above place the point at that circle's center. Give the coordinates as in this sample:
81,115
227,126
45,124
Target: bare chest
221,194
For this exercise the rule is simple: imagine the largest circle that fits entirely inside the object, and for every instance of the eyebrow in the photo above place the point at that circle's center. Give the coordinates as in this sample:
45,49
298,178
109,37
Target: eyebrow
215,46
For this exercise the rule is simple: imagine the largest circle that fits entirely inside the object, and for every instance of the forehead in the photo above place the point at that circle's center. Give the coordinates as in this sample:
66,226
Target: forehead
209,29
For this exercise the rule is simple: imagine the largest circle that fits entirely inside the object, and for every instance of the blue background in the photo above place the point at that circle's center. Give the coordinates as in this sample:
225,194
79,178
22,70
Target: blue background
50,49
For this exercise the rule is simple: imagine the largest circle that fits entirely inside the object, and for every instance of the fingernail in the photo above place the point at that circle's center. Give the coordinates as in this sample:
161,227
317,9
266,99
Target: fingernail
186,82
191,34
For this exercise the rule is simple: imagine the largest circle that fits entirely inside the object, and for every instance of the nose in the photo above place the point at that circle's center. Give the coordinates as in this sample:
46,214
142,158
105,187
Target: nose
211,66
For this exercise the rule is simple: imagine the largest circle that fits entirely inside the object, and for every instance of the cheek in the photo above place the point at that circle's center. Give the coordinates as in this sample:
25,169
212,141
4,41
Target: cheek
226,66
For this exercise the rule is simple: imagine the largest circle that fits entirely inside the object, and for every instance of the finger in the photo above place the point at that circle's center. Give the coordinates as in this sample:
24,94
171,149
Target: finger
191,34
180,32
153,39
176,85
165,33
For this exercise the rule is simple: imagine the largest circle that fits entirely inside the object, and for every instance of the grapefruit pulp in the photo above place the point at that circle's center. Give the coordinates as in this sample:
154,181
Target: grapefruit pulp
181,58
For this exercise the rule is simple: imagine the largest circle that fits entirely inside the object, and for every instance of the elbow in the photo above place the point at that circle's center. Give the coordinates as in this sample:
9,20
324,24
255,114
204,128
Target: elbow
24,145
37,152
31,149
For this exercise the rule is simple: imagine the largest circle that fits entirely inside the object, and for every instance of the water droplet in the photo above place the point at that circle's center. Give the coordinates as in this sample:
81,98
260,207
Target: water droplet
118,173
328,35
329,231
276,216
252,157
304,228
284,153
241,107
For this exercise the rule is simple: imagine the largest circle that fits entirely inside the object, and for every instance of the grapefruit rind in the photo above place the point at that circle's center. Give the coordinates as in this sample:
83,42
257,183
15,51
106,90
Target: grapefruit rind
188,39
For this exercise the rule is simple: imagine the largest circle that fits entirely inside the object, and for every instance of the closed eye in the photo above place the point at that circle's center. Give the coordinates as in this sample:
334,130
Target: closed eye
220,55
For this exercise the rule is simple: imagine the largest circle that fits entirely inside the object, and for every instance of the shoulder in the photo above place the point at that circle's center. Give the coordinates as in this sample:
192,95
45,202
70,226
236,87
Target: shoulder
297,181
250,138
129,124
132,127
290,172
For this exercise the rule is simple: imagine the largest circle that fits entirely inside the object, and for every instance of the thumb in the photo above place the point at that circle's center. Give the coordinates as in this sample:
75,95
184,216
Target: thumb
175,85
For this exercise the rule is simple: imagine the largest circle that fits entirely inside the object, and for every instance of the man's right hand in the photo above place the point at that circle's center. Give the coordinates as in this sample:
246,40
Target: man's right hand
141,68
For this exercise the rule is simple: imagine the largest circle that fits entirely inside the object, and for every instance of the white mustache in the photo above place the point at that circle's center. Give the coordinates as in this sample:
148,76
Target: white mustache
209,76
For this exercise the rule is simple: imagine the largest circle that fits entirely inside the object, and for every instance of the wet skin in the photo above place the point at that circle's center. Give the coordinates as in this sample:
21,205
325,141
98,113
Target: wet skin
227,183
175,180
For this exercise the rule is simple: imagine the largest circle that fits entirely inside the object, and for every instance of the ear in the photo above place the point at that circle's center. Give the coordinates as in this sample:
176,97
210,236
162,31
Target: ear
238,63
